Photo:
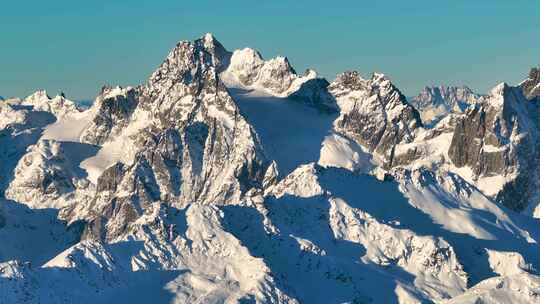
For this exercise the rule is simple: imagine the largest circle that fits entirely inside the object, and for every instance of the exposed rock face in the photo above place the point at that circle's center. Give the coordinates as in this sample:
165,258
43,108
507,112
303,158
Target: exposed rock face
314,92
497,138
492,143
531,86
374,113
197,147
436,102
114,107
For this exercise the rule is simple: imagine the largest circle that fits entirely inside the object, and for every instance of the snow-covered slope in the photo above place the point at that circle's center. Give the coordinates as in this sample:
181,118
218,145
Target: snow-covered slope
227,178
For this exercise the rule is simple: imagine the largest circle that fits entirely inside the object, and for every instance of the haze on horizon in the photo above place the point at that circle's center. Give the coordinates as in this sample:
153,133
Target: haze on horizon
78,47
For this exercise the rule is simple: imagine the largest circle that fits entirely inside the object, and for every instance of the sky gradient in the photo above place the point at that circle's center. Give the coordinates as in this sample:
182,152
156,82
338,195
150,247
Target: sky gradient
76,46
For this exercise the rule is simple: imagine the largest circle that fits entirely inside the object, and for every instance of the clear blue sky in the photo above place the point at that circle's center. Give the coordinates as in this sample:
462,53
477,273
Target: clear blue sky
77,46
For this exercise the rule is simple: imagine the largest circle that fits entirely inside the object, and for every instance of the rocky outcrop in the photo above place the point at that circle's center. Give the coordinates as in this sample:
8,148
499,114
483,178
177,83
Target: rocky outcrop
496,137
314,92
113,109
531,86
374,113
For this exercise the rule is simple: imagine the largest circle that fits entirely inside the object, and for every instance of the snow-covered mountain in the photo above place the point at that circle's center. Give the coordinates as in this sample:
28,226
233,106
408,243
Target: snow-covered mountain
374,114
230,178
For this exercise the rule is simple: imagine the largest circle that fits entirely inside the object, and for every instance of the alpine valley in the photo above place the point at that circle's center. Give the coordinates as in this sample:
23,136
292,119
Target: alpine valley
230,178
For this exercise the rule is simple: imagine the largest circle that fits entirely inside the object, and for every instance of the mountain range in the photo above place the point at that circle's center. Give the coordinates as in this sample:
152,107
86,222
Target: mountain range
230,178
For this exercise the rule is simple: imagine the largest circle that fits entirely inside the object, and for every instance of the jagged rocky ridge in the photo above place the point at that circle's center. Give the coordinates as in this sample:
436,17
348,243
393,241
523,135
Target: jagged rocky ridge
177,182
497,137
374,113
531,86
436,102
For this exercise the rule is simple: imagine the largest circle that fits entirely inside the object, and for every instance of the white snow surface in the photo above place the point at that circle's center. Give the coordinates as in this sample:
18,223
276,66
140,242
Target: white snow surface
70,127
338,151
291,132
120,148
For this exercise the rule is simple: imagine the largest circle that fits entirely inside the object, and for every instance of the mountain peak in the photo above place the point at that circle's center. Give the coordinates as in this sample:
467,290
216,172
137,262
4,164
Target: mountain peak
209,39
435,102
499,89
437,94
504,95
374,113
188,61
531,86
351,80
534,73
38,95
379,77
443,89
247,69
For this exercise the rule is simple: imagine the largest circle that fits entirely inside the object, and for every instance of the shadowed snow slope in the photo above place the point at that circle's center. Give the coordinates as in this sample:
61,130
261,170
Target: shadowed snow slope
291,132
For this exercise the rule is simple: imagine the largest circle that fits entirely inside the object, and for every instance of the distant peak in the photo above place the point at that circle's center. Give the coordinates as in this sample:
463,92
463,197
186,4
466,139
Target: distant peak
247,54
353,78
349,78
443,87
379,77
206,43
39,94
310,73
534,73
499,89
208,37
446,91
531,85
281,63
210,42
